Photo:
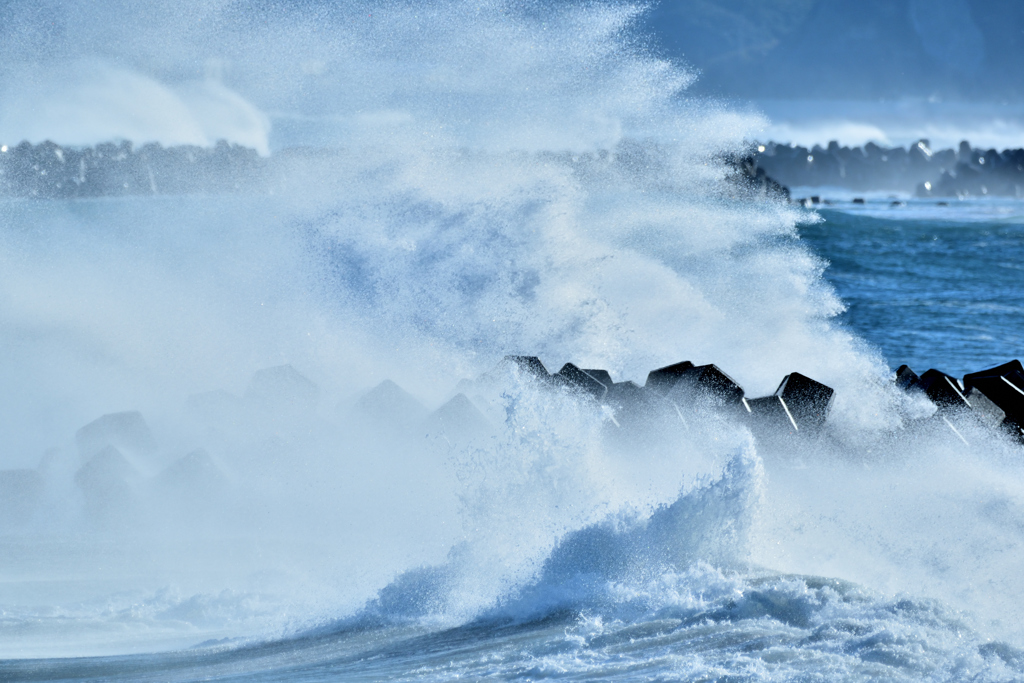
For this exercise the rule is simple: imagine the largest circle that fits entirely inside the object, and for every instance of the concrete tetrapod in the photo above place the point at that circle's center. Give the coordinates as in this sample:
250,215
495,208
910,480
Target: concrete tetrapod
999,390
706,384
800,404
663,379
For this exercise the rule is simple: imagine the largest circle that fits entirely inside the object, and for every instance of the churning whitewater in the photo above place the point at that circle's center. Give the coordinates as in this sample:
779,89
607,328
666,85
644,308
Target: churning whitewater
322,471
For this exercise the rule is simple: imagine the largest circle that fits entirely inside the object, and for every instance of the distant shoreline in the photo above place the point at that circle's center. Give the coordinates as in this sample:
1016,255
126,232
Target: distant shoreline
50,171
918,170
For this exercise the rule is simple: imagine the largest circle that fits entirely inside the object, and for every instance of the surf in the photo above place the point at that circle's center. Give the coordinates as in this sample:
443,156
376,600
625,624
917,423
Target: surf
493,180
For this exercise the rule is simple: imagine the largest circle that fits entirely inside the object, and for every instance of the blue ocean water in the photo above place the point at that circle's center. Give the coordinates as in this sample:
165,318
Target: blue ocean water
929,285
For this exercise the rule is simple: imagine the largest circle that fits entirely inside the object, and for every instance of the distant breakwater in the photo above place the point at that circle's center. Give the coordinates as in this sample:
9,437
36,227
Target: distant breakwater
964,172
50,171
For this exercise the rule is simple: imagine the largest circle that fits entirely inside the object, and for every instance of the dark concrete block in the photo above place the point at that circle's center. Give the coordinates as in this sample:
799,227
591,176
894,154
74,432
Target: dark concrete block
107,482
641,418
771,412
663,379
1003,386
389,404
998,371
906,378
943,390
1012,399
575,379
987,412
808,401
708,384
127,431
509,371
634,405
530,365
602,376
984,411
800,404
626,394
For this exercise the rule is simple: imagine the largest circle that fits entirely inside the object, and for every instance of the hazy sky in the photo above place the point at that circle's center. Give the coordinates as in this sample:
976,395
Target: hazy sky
191,71
849,49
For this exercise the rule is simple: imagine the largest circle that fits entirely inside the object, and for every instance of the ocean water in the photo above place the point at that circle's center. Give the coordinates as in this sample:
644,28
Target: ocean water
504,180
928,285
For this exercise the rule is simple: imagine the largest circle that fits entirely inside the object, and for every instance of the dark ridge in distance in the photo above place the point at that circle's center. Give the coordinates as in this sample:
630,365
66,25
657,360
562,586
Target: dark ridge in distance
964,172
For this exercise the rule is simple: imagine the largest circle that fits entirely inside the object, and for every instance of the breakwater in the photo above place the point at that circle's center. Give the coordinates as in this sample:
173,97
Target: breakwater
115,169
50,171
987,404
964,172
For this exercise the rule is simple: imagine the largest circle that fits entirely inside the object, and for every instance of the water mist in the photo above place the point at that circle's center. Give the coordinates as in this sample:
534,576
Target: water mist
497,180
